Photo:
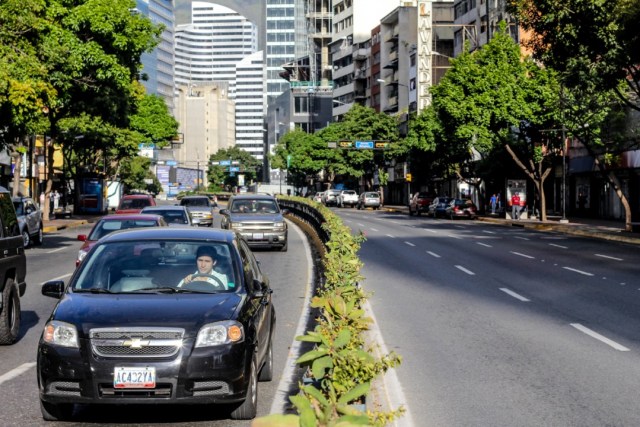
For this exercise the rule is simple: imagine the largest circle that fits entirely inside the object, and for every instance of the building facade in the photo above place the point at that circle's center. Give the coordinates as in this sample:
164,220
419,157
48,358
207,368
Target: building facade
250,104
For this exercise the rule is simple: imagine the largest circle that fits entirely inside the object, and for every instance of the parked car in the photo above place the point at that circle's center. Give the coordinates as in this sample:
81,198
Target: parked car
318,197
330,197
13,270
127,329
29,220
461,208
201,209
258,218
347,198
110,223
438,206
134,203
175,216
419,203
369,199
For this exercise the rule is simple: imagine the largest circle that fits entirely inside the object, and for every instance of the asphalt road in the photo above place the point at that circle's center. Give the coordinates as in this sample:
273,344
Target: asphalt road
504,327
289,273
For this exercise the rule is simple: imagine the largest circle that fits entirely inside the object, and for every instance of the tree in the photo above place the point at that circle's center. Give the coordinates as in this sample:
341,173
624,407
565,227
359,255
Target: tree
489,96
219,175
301,154
587,40
153,121
136,174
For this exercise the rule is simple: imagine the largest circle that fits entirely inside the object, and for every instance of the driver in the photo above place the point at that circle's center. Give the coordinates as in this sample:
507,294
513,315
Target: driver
206,260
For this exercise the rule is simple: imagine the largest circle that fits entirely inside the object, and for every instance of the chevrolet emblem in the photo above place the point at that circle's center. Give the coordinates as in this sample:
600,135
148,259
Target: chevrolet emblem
135,343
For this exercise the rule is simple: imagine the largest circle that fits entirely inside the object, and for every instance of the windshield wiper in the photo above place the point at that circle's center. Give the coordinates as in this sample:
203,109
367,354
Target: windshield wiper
168,290
93,291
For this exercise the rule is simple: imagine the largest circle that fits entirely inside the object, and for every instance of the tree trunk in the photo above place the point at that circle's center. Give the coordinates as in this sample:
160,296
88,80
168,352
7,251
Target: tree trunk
615,182
17,162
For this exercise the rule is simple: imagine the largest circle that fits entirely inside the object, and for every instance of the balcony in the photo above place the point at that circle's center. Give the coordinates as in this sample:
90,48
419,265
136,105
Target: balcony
360,55
360,74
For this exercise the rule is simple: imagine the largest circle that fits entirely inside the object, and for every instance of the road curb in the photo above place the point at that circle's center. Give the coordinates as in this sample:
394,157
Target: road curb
54,228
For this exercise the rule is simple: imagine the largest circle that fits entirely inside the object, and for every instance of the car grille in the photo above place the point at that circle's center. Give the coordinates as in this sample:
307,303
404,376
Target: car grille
210,388
64,388
258,226
136,342
161,391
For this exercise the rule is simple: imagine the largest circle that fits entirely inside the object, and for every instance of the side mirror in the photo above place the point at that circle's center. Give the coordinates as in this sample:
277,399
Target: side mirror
82,237
285,211
224,211
53,288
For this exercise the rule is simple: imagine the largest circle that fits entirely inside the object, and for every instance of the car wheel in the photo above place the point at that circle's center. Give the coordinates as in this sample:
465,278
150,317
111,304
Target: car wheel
285,246
26,238
247,409
10,314
56,412
266,373
39,237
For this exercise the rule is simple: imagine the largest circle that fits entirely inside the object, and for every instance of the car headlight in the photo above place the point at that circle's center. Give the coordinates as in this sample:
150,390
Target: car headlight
236,225
279,225
82,255
225,332
60,333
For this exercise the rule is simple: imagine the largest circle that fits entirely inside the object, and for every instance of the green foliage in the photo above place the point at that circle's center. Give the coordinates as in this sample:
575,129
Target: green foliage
220,176
153,121
134,172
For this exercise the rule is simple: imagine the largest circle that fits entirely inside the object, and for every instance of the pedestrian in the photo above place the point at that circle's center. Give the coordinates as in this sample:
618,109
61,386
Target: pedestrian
56,200
493,200
42,200
515,205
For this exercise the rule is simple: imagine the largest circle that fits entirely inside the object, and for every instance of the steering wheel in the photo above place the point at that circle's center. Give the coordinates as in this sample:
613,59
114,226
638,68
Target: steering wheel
218,284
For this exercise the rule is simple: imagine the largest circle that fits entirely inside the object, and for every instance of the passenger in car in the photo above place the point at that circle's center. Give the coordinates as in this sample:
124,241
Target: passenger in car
206,260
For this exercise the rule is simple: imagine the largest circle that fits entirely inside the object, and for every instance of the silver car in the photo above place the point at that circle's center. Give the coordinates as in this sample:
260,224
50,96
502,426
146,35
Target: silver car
29,220
369,199
201,209
258,218
175,216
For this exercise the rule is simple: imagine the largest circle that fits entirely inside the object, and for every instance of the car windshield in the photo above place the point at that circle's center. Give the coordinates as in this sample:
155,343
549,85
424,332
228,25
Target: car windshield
156,267
172,216
196,202
350,192
372,195
134,203
105,227
254,206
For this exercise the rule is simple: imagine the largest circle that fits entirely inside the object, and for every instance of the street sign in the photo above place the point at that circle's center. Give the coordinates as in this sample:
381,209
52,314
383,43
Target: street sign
345,144
332,144
171,163
215,163
225,162
364,144
381,144
234,169
288,161
235,162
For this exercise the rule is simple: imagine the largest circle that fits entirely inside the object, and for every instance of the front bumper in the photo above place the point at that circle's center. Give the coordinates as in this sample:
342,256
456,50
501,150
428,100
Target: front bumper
257,238
204,375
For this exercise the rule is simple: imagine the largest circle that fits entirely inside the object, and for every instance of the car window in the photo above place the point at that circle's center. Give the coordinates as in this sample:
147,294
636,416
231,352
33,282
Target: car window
134,203
108,226
18,206
130,267
195,202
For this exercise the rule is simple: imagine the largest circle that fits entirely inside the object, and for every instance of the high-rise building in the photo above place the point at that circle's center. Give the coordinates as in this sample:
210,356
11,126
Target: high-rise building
250,105
158,65
209,48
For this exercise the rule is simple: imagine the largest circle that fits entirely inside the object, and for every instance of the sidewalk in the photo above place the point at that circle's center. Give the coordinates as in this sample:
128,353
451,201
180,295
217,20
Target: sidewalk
585,227
53,225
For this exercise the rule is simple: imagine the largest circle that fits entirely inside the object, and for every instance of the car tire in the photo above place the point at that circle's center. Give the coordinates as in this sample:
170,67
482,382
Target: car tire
248,409
285,246
10,314
266,373
39,237
26,237
56,412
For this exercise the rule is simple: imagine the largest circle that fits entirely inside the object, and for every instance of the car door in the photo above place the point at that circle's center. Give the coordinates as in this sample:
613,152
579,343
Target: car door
259,297
32,216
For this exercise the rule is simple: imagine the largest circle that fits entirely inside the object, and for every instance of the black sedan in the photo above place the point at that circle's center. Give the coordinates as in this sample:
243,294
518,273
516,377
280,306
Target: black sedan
140,323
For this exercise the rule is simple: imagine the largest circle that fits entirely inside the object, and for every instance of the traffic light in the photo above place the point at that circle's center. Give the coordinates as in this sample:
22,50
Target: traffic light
409,177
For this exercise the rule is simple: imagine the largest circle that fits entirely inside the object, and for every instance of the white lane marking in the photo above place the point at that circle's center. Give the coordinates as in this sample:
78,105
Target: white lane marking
394,222
430,230
433,254
488,232
361,224
409,243
454,237
610,257
558,246
56,250
374,229
16,372
484,244
521,238
281,398
469,272
522,255
389,235
515,295
578,271
58,278
599,337
460,226
391,388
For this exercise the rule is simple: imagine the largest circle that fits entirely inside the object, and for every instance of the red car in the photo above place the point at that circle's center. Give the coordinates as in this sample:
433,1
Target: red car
133,203
111,223
420,203
461,208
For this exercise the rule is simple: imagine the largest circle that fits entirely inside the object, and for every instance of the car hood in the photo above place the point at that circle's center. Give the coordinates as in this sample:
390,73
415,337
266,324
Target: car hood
199,208
188,311
256,217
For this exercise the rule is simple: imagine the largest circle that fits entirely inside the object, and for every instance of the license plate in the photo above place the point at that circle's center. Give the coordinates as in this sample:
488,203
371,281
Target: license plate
134,377
258,236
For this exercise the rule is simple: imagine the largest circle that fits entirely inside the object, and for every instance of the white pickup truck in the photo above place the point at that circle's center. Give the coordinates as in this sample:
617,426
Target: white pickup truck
347,198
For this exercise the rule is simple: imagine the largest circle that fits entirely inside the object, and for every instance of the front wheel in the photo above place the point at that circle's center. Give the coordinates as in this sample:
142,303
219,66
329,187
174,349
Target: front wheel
39,237
10,314
26,238
247,409
266,373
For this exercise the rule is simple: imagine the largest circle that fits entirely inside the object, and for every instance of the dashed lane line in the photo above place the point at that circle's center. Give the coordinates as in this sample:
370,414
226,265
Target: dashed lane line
558,246
575,270
610,257
469,272
409,243
484,244
16,372
514,294
433,254
522,255
599,337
